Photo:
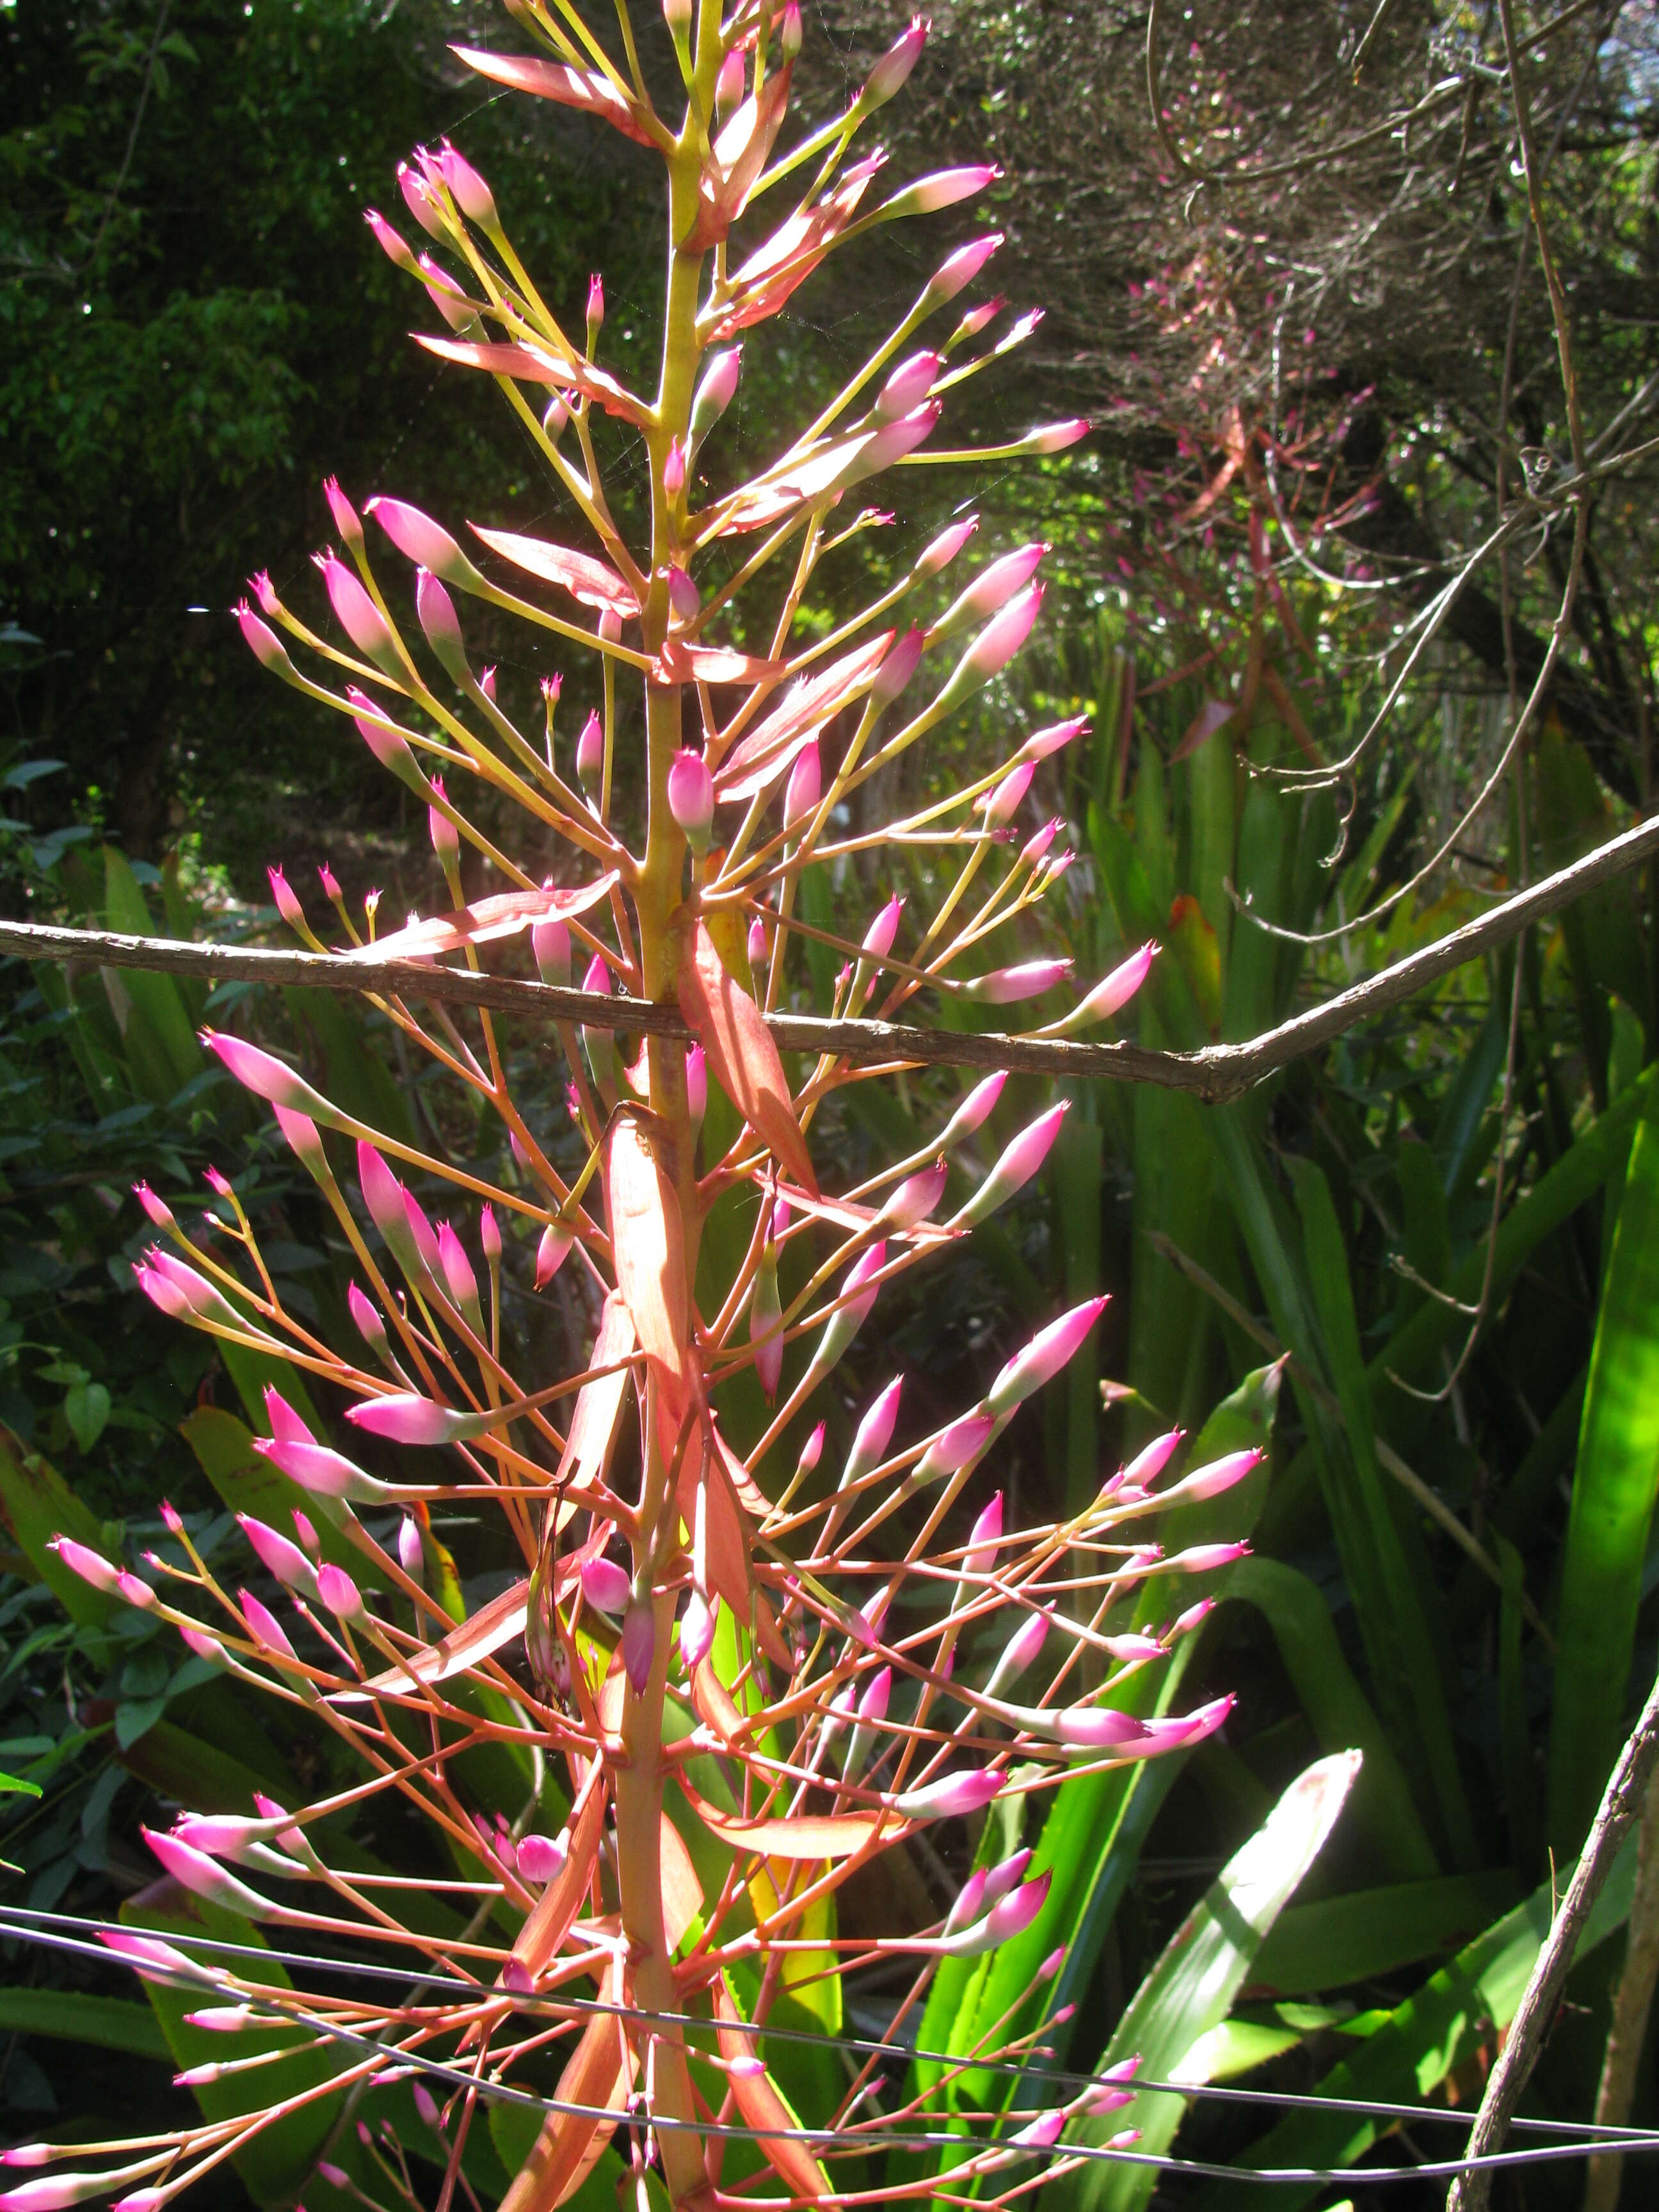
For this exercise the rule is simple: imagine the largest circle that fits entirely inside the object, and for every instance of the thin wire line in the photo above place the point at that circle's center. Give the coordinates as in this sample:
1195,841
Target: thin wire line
1587,2134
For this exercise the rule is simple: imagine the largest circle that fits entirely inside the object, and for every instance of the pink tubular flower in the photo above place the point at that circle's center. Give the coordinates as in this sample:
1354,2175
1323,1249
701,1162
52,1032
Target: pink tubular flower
1042,2133
1051,1349
459,1279
946,546
915,1199
1011,1915
992,589
951,1796
87,1564
1006,986
541,1858
1018,1653
1004,802
605,1585
267,648
875,1433
389,241
160,1213
344,514
468,189
356,613
974,1111
984,1540
555,1243
957,270
1031,851
280,1558
1019,1164
1041,743
595,306
891,443
446,838
691,797
424,542
263,1625
1055,437
422,202
1220,1474
639,1643
945,188
806,785
1111,994
907,386
697,1630
315,1468
549,946
992,649
878,938
339,1593
892,72
1150,1461
1203,1559
435,612
903,657
1131,1649
266,1075
405,1417
590,756
204,1877
955,1446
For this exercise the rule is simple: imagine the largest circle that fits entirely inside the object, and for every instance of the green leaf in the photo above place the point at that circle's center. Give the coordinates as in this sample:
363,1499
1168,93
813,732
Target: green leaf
1411,2051
107,2023
1191,1989
161,1043
1612,1510
1338,1709
136,1718
39,1505
87,1410
1373,1932
15,1784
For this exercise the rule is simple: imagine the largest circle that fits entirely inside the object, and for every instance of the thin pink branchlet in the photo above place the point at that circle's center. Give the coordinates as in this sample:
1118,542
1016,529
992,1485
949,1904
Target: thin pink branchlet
796,1654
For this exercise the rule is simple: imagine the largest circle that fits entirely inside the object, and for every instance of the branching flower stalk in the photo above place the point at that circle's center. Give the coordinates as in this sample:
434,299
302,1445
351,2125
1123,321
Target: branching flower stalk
727,1679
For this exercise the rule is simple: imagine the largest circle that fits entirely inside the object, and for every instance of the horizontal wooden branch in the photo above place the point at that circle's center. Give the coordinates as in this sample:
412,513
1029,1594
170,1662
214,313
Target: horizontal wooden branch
1218,1072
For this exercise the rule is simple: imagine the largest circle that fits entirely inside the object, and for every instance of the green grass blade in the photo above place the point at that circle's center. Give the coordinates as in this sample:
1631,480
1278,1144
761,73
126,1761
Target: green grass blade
1191,1989
107,2023
1613,1500
1316,1948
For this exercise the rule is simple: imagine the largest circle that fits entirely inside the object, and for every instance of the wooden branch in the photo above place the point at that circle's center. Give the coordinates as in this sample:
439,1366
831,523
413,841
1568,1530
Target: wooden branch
1471,2190
1215,1074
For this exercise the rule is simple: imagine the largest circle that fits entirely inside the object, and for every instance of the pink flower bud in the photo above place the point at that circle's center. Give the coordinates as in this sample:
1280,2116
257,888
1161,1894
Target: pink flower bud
1150,1459
1041,743
673,471
1042,2133
160,1213
1132,1649
263,1625
1018,1164
550,944
1196,1615
595,306
898,667
691,797
468,189
339,1593
1113,992
860,1273
872,1704
356,613
389,243
541,1858
344,514
789,33
590,756
446,295
697,1630
82,1561
556,1242
286,1561
951,1796
1049,1350
1034,847
1021,1648
891,443
1204,1559
438,619
1220,1474
425,543
422,202
446,838
915,1198
715,391
1006,986
766,1326
959,270
268,648
907,386
875,1433
605,1585
405,1417
891,73
946,546
729,85
806,785
696,1082
683,597
970,1904
639,1643
878,938
1011,1915
994,587
955,1446
315,1468
1055,437
976,319
994,648
974,1111
178,1290
411,1553
945,189
425,1238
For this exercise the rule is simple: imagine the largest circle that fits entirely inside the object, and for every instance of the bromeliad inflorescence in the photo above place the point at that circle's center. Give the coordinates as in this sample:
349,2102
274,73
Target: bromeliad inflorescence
722,1680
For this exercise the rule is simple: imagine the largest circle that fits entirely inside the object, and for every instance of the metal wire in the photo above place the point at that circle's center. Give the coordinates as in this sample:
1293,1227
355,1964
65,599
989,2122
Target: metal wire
1585,2138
